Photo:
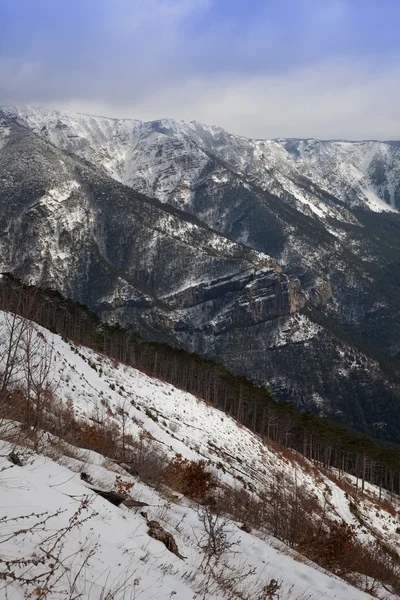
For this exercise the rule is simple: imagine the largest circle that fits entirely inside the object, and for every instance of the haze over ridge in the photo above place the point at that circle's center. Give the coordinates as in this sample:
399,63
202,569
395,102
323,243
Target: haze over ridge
299,68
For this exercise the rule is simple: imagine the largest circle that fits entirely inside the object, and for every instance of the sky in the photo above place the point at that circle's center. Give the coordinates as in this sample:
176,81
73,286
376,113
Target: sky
259,68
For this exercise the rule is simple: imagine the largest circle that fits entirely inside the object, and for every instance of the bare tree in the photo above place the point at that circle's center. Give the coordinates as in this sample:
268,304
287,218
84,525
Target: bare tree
12,332
123,418
37,354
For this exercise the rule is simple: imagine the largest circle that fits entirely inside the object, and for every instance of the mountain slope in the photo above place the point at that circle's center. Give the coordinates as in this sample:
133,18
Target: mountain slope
113,545
298,201
65,223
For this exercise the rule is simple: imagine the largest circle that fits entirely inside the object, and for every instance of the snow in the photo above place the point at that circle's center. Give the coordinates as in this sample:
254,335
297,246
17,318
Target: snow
123,550
4,133
57,195
375,203
176,422
340,503
223,178
343,169
296,329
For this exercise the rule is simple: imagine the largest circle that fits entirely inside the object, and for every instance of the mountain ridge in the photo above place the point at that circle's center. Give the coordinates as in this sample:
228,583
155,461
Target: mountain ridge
39,118
14,109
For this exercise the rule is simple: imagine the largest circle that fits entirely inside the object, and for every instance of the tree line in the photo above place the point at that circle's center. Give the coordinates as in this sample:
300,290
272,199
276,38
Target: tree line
326,444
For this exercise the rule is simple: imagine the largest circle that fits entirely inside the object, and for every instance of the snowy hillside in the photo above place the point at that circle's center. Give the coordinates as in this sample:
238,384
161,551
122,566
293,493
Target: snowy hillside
121,560
111,552
358,173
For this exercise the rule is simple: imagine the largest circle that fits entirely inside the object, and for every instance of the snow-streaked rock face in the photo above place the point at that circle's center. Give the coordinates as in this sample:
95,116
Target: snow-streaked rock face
358,173
291,230
166,158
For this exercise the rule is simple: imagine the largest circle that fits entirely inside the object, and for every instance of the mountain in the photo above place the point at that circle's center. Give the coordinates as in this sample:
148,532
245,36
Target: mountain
279,258
165,157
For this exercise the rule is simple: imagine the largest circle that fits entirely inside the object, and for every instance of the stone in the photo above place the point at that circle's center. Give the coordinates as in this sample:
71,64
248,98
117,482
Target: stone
158,533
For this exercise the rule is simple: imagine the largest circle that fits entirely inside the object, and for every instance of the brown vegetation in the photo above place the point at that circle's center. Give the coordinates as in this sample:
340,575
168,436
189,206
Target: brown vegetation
192,479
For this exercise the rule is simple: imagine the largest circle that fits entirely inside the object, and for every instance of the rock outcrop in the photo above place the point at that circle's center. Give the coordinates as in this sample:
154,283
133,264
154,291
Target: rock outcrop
158,533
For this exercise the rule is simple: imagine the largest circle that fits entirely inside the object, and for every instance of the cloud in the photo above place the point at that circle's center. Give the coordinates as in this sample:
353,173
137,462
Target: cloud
290,68
127,17
327,13
327,101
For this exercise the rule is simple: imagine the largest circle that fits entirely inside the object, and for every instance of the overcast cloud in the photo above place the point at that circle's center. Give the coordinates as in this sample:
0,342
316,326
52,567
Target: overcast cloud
265,68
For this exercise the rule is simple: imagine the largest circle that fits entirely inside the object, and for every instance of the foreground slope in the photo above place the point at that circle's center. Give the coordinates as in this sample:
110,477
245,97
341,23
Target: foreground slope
119,558
111,552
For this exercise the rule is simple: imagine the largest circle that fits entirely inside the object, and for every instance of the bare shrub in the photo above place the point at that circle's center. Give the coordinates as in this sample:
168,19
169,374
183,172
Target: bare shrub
289,512
216,542
243,506
123,488
284,509
190,478
387,507
145,461
12,335
217,538
334,549
367,565
46,571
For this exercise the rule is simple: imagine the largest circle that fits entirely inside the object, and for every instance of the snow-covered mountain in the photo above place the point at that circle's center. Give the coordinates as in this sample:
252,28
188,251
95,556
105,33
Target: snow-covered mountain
76,542
166,158
279,258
